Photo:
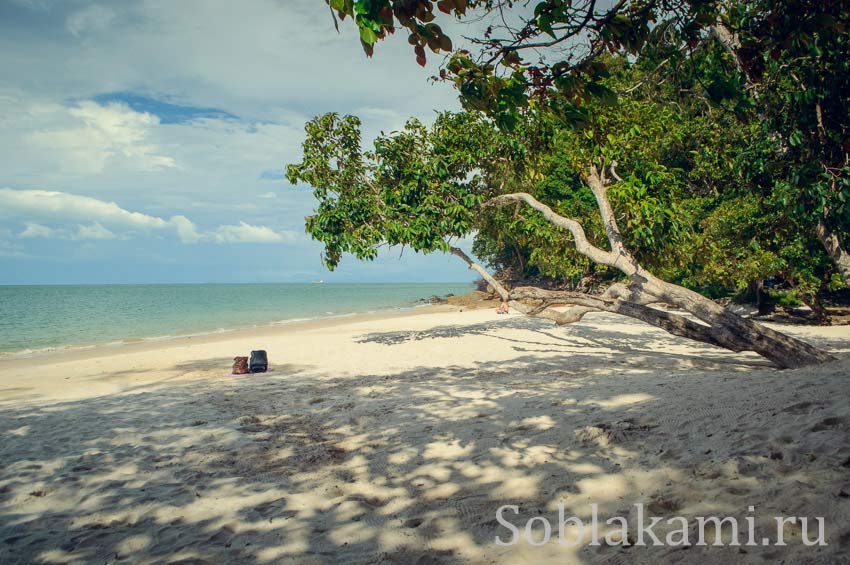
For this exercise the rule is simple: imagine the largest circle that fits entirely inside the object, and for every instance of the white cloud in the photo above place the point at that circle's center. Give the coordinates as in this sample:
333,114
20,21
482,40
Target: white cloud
137,44
90,19
186,229
87,136
60,207
268,195
8,248
92,231
49,204
36,230
208,169
42,143
83,232
246,233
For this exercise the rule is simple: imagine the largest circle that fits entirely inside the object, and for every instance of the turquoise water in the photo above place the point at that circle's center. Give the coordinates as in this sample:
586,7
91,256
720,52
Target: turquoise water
41,317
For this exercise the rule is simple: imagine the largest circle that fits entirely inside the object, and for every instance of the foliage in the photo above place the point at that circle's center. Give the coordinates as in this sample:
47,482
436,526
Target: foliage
376,19
418,187
727,153
795,55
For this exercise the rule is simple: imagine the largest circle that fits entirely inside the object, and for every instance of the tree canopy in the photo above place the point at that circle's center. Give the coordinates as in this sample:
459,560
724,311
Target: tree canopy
775,70
670,147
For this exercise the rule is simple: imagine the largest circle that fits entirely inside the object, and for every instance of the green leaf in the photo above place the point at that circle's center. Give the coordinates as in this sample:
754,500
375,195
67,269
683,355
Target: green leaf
367,36
545,24
603,93
539,8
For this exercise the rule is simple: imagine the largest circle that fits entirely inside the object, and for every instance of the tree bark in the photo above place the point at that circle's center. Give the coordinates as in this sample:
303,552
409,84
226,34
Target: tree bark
583,303
497,286
836,250
731,42
726,328
760,298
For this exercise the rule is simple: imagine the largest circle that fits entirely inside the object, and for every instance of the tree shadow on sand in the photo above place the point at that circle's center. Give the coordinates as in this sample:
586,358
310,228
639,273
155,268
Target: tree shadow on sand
411,467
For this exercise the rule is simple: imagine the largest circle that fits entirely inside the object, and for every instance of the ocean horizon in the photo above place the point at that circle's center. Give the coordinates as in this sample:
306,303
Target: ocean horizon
39,318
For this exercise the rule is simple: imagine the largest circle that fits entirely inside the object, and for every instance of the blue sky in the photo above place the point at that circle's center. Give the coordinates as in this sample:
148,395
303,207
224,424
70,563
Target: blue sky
145,141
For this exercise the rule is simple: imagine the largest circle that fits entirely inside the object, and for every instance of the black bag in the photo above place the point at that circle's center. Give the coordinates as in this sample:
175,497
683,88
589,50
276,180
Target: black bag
259,361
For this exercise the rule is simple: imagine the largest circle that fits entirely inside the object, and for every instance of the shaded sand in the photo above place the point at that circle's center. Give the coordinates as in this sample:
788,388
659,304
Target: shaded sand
395,439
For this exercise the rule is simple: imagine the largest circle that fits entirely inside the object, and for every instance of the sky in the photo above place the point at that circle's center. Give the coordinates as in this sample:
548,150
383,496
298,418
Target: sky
145,142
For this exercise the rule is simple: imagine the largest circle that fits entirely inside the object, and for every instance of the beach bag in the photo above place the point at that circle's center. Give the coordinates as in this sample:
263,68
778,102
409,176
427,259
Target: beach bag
259,361
240,365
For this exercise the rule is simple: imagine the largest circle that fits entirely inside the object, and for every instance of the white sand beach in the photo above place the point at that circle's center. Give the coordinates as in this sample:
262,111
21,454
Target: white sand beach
395,439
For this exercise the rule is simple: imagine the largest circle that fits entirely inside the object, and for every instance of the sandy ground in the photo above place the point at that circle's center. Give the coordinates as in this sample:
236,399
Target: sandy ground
396,439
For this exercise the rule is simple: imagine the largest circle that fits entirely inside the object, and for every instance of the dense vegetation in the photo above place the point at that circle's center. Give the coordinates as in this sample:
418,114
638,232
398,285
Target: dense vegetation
704,143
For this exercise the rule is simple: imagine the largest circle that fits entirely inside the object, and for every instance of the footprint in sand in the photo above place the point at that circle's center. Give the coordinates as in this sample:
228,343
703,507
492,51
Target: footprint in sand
804,407
371,501
274,509
828,423
223,536
12,540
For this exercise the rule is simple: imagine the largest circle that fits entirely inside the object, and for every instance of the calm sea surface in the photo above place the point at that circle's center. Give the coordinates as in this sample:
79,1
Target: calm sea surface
42,317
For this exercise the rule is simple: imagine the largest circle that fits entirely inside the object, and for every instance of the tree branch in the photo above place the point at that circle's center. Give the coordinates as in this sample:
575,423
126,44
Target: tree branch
672,323
614,171
837,252
497,286
582,245
597,186
500,290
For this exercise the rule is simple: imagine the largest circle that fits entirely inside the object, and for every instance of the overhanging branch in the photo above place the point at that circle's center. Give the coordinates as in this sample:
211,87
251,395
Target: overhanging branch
582,244
500,290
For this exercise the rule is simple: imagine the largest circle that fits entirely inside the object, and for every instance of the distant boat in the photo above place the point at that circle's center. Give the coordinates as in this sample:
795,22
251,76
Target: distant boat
319,282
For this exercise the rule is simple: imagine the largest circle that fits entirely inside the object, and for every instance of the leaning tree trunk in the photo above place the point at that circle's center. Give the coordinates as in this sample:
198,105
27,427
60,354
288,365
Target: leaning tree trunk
837,252
717,325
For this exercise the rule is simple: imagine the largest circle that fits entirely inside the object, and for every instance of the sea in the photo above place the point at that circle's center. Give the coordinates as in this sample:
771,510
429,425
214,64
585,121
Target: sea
40,318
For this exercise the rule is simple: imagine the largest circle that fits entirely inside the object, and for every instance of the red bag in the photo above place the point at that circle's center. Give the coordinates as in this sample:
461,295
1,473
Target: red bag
240,365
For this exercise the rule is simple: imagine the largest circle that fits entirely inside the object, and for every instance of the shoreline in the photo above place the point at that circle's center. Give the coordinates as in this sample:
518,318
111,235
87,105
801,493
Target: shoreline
473,300
97,316
133,345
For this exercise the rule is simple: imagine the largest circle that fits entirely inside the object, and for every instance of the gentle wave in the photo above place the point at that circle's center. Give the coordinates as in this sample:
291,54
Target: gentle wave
406,304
